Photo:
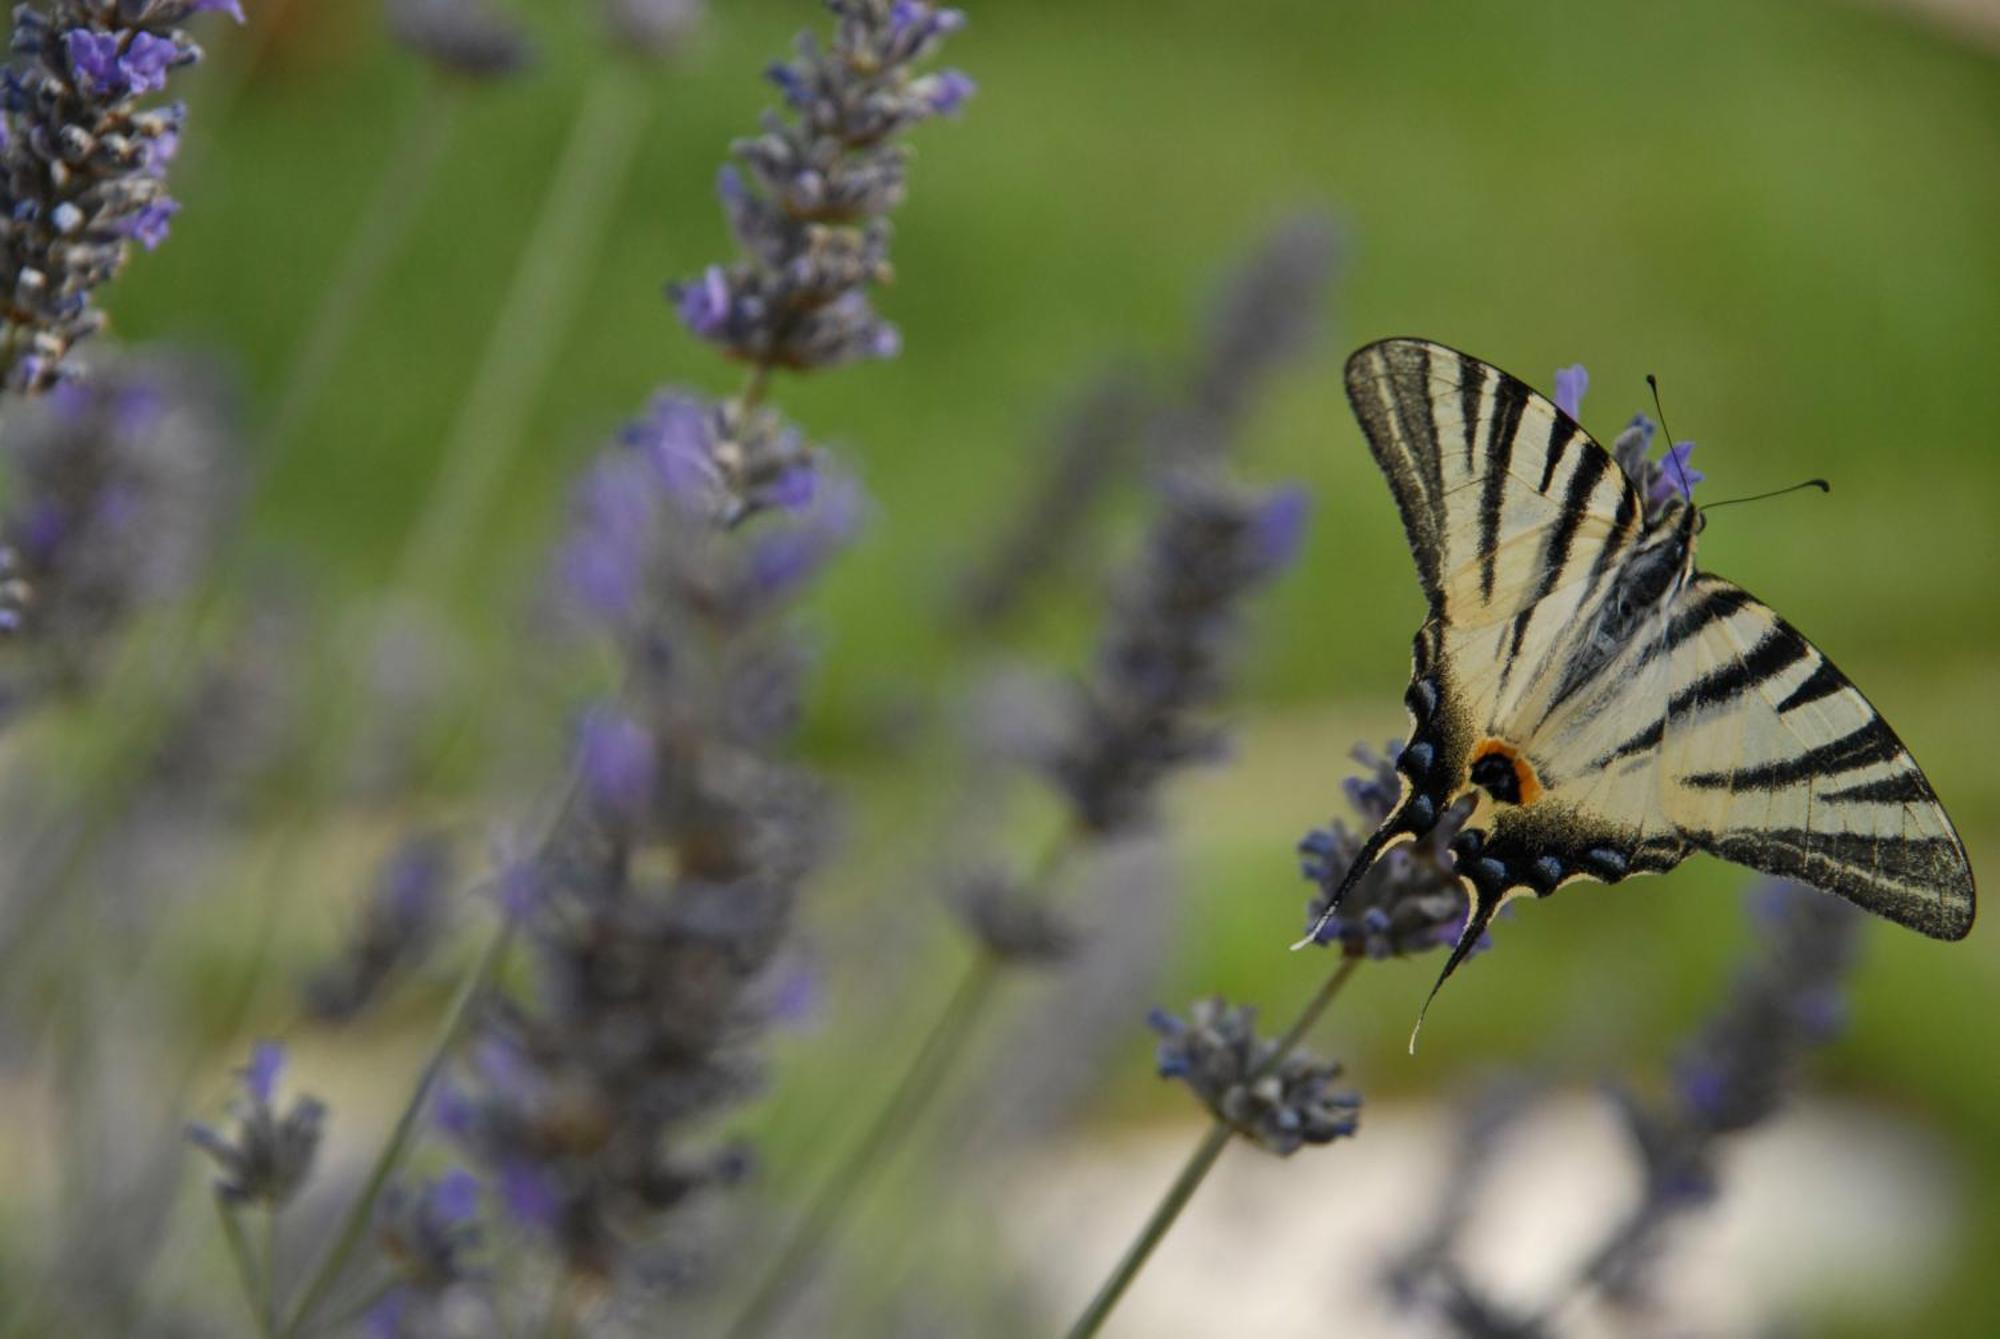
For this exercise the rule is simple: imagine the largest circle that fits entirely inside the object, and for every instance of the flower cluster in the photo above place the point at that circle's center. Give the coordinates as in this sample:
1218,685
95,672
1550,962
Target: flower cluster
808,206
428,1233
84,163
270,1156
657,909
1736,1071
1659,481
1012,922
401,920
1162,665
1411,900
118,491
1283,1105
463,37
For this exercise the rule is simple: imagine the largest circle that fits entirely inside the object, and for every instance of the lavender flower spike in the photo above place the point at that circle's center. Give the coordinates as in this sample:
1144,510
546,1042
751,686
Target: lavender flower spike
83,165
270,1156
808,207
1281,1107
471,38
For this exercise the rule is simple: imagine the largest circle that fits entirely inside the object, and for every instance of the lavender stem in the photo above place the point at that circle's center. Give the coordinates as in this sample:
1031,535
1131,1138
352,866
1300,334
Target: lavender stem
1195,1170
355,1222
385,224
536,314
912,1095
246,1268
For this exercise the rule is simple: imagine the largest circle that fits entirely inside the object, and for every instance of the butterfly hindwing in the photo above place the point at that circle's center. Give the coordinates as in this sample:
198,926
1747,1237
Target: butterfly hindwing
1774,760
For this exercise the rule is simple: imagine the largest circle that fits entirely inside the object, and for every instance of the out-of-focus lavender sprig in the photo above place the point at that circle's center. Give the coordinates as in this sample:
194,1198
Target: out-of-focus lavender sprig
1264,316
663,898
1411,900
808,206
268,1157
1173,633
400,921
654,29
660,902
85,159
1735,1073
1092,442
1269,313
471,38
1281,1102
119,489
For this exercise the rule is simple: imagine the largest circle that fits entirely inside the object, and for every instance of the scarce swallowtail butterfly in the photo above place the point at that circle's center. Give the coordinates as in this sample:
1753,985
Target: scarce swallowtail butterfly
1605,707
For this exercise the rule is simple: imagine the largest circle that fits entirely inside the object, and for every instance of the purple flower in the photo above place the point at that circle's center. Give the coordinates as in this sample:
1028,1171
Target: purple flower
1571,383
93,56
530,1194
784,559
704,306
233,8
146,61
261,1075
1675,474
617,762
269,1157
676,437
454,1197
1279,528
945,92
149,226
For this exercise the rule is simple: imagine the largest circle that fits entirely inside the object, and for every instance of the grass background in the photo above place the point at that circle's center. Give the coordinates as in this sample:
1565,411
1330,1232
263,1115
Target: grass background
1787,209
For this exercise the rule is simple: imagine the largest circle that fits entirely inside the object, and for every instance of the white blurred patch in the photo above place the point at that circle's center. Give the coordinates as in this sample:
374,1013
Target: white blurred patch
1834,1208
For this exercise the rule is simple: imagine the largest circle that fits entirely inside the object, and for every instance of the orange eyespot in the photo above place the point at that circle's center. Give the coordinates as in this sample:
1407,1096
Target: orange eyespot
1499,769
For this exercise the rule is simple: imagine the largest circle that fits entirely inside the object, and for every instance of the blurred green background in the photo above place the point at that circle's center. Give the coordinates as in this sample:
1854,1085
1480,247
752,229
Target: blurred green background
1787,209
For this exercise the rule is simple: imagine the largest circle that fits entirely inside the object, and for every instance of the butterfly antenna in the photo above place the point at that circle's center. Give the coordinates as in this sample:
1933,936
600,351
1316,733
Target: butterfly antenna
1687,489
1484,906
1821,484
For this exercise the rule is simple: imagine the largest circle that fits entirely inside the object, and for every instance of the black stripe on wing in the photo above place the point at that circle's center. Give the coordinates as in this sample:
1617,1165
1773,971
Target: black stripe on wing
1379,387
1510,398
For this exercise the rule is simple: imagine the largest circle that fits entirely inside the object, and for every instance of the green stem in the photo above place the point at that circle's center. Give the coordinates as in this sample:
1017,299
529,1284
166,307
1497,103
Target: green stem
419,145
246,1266
269,1322
920,1083
1192,1173
327,1270
534,318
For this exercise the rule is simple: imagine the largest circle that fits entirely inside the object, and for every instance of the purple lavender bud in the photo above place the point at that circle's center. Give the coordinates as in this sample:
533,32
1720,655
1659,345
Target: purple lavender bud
1571,383
266,1067
530,1196
615,758
146,61
704,306
1675,477
1280,528
149,226
945,92
93,56
454,1197
233,8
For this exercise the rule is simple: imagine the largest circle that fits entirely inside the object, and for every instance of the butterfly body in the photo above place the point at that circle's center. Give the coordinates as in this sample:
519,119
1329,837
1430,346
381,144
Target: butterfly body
1603,706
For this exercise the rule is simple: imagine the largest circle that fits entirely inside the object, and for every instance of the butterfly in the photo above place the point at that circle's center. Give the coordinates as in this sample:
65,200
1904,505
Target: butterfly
1606,708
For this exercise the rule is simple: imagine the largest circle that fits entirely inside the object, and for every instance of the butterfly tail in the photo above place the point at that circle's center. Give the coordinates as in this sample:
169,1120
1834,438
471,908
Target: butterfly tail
1364,860
1485,905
